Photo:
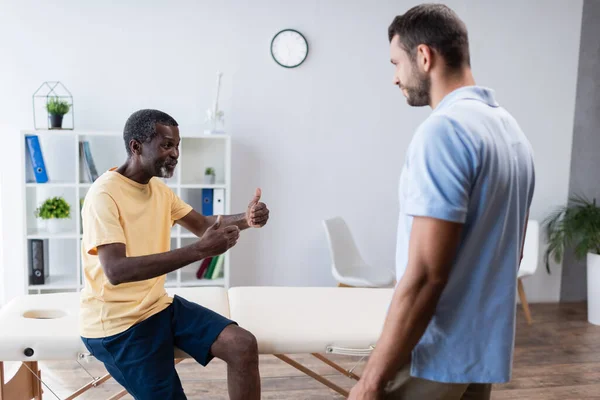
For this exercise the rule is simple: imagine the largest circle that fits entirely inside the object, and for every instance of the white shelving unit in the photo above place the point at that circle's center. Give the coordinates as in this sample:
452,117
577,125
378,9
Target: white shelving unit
67,178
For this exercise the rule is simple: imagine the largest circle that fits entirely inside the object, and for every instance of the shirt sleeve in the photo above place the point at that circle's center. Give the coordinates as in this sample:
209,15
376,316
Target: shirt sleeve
440,170
179,208
101,223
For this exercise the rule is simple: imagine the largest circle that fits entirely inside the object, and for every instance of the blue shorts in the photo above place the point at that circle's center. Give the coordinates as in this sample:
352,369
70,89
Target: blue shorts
141,358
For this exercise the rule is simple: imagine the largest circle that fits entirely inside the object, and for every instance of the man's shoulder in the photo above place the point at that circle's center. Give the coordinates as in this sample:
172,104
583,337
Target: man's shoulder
105,182
158,183
106,185
440,129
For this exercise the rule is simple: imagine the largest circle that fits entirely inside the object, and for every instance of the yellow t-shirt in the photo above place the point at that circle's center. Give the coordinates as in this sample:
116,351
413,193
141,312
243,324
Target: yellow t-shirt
117,209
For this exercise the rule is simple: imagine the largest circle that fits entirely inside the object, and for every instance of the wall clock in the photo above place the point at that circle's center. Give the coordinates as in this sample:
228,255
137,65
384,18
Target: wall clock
289,48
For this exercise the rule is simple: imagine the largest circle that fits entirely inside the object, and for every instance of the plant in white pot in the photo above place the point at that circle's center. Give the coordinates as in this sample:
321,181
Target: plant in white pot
54,211
576,227
209,176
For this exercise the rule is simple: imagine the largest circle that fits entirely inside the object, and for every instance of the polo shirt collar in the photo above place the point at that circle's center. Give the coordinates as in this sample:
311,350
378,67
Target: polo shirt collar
479,93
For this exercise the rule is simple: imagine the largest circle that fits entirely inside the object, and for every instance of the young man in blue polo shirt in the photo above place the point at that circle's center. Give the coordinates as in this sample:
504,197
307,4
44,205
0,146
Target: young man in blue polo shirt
465,192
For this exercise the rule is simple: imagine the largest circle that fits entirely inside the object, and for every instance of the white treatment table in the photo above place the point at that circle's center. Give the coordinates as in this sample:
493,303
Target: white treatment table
285,320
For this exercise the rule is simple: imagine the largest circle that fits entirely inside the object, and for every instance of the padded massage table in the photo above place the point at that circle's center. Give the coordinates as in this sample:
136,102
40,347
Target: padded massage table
285,320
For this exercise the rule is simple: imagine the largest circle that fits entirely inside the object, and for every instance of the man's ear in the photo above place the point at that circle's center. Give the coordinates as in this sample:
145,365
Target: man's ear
424,58
135,147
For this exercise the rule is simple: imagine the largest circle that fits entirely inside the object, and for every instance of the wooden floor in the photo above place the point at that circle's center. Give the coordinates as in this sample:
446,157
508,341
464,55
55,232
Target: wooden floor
558,357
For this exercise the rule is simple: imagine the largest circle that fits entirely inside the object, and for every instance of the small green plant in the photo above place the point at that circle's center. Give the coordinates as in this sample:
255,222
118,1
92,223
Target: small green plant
209,171
576,226
54,207
56,106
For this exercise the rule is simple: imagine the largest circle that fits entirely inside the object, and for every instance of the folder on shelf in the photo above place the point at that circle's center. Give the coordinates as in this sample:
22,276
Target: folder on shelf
38,261
207,202
211,267
203,267
87,161
36,158
218,270
219,202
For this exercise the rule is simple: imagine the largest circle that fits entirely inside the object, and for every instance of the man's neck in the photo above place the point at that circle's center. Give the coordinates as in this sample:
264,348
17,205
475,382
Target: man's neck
448,83
133,172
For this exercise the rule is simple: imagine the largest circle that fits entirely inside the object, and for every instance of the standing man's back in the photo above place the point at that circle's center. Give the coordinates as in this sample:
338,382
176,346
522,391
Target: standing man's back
465,190
470,163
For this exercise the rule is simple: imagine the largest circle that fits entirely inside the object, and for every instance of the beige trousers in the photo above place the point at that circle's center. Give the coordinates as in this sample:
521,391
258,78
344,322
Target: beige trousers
406,387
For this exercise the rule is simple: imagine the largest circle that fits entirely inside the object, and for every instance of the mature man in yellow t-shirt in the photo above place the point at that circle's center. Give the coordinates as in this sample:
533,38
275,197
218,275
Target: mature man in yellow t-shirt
127,320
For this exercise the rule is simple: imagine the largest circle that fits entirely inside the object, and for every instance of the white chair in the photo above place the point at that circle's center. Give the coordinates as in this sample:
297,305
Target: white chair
348,267
529,263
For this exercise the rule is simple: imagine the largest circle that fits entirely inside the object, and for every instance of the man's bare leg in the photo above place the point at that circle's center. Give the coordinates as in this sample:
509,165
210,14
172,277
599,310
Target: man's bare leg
238,348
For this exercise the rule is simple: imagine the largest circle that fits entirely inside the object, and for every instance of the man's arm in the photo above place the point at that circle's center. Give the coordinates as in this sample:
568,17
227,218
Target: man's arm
524,234
256,215
432,248
198,223
119,268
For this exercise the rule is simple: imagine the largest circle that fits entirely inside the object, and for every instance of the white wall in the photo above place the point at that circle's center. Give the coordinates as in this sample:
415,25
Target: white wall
325,139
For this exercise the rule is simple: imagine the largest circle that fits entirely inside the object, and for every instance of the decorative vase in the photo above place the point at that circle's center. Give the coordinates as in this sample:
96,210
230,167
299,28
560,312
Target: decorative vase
56,225
593,288
56,121
209,179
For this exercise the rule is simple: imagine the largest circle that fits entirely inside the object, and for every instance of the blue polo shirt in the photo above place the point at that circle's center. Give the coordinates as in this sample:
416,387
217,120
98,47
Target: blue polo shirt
469,162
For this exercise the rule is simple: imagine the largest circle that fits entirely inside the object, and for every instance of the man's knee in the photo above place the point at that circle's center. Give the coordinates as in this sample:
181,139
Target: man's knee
236,345
246,344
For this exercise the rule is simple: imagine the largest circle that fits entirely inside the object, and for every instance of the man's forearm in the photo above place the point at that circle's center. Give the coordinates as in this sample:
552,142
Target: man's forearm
132,269
238,220
412,307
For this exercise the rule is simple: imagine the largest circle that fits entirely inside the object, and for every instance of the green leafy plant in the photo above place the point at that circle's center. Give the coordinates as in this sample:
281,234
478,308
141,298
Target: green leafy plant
574,226
54,207
209,171
55,106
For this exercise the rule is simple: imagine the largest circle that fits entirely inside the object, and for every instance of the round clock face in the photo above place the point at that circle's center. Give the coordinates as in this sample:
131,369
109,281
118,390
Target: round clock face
289,48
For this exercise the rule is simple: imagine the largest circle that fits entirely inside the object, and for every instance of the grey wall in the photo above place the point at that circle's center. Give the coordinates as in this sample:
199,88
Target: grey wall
585,163
325,139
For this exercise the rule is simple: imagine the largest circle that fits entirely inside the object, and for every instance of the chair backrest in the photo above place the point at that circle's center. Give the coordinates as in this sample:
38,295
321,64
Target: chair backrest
529,262
345,255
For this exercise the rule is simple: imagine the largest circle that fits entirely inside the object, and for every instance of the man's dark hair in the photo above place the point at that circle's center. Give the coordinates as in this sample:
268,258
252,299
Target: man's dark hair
436,26
141,126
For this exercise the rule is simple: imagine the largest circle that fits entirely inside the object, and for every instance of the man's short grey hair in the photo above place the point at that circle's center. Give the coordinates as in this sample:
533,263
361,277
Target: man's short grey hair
141,126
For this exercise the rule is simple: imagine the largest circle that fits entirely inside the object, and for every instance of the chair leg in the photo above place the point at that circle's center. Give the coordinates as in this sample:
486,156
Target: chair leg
524,301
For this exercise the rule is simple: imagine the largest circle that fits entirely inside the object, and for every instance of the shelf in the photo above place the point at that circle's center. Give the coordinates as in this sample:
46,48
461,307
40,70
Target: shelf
57,282
116,133
186,235
87,185
193,281
71,132
202,186
69,178
50,184
47,235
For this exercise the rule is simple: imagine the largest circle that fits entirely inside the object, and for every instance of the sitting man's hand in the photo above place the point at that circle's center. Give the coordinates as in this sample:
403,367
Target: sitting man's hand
362,392
217,241
257,214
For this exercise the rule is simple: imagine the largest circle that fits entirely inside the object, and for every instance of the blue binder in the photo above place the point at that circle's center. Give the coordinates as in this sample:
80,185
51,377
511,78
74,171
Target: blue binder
207,202
34,151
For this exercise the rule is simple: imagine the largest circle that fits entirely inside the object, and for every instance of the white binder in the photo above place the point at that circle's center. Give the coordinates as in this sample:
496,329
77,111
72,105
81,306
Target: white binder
219,202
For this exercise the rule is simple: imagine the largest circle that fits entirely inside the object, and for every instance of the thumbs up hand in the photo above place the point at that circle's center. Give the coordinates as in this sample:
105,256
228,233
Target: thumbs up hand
257,214
218,239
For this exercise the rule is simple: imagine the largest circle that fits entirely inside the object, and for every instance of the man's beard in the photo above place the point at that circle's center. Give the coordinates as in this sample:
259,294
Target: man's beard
164,171
418,95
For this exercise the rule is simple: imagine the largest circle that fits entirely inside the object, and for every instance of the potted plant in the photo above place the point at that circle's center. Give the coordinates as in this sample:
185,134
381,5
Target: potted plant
209,176
57,109
576,227
54,211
